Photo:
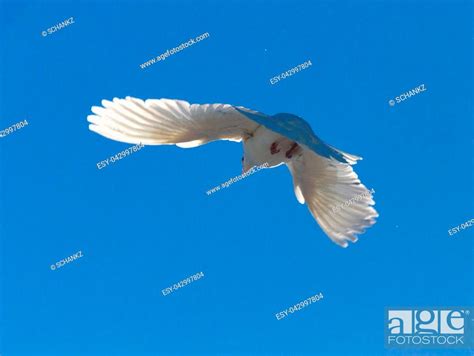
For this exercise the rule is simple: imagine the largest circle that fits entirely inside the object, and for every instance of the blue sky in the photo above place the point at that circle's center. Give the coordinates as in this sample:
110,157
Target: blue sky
145,222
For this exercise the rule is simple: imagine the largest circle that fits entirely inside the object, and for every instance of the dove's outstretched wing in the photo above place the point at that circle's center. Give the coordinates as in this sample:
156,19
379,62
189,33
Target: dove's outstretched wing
170,122
336,198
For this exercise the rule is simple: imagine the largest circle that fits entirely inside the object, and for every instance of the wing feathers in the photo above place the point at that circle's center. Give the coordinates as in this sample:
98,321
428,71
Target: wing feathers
334,195
168,122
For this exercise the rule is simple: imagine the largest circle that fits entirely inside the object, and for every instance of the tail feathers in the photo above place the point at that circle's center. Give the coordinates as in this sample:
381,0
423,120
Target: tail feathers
350,158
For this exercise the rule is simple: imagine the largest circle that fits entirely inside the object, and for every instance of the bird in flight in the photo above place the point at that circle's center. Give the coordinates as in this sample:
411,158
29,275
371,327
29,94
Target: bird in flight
323,177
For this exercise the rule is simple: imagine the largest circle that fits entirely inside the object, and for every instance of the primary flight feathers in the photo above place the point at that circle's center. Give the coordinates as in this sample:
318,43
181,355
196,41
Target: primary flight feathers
168,122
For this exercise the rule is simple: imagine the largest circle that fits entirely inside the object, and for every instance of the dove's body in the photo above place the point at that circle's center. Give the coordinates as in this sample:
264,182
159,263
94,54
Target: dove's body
322,175
266,146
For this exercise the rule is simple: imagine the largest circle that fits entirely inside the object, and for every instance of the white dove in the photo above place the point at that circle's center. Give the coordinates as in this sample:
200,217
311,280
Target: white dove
322,175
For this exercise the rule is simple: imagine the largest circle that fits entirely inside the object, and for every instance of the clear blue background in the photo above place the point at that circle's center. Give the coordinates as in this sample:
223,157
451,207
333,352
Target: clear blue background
145,222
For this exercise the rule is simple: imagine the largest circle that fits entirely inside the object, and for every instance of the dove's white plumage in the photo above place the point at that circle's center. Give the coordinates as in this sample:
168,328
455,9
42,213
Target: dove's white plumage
325,184
168,122
322,175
